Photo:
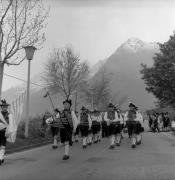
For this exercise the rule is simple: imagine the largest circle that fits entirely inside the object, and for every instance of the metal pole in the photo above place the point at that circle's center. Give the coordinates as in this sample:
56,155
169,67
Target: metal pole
51,101
27,102
92,99
76,100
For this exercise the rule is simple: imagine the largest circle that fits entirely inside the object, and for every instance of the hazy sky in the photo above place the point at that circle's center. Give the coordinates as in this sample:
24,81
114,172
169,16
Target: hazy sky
96,28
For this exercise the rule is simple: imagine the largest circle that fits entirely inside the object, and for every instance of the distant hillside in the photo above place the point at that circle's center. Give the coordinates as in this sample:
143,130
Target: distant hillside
124,64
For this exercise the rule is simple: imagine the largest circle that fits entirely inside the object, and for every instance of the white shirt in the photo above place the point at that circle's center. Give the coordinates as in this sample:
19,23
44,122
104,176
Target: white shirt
139,117
74,119
117,119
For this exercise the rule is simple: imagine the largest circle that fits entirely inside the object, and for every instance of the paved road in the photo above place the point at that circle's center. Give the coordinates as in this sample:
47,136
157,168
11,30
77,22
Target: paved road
154,159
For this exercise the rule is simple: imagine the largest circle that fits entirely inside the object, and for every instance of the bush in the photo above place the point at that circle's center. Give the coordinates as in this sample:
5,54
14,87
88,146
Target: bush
36,128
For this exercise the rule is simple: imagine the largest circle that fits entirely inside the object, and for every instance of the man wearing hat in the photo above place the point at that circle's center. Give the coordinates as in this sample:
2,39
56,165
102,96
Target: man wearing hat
139,128
113,121
96,125
130,120
53,122
85,125
118,111
5,124
68,123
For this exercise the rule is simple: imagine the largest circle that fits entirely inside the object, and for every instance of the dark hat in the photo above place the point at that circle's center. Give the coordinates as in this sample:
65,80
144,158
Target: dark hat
131,104
116,107
95,111
136,108
69,101
83,108
4,103
110,105
56,110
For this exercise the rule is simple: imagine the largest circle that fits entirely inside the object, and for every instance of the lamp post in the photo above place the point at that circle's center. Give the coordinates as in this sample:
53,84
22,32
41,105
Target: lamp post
76,96
92,100
29,50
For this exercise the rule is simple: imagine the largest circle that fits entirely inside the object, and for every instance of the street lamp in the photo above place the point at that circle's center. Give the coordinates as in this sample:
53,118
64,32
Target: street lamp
29,50
92,100
76,96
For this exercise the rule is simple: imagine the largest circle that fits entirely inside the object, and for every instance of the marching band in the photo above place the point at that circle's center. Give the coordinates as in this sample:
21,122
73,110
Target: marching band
89,125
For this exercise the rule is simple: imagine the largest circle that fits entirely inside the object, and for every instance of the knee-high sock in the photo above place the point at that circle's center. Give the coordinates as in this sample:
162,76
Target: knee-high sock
139,137
66,148
94,137
55,143
76,137
118,138
2,152
90,138
84,141
112,140
133,140
99,135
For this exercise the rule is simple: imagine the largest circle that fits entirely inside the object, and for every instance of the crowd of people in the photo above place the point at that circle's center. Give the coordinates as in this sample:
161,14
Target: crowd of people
159,122
87,127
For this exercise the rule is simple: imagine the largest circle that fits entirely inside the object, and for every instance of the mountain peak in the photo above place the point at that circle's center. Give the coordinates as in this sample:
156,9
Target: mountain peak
134,44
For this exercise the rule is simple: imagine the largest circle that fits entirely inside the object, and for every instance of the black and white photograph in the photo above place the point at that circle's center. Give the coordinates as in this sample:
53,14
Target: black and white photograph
87,89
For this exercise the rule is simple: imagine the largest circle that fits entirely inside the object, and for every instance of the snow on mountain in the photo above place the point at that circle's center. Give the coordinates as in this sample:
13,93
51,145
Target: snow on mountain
135,44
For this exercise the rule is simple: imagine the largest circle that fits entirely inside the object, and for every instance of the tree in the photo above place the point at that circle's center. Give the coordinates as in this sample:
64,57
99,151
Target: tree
21,24
119,99
97,91
64,72
160,78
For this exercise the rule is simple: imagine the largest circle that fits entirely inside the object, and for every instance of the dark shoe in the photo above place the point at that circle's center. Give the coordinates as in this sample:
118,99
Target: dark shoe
139,142
90,143
76,141
133,146
111,147
65,157
2,160
71,143
117,144
84,146
95,142
54,147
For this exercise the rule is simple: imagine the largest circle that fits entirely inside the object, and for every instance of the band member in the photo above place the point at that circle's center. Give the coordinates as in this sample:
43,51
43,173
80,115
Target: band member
68,123
53,121
96,125
117,109
90,135
46,116
104,127
130,119
111,117
139,129
6,123
85,125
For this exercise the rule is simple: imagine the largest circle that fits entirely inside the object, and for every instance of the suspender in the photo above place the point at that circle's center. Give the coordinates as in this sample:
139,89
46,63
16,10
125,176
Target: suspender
2,120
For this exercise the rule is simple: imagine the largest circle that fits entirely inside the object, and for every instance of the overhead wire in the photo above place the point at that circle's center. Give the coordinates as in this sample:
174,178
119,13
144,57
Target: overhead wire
23,80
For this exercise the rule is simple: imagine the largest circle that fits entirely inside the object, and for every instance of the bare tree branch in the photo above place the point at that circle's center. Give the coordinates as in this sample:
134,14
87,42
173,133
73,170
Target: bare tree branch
5,13
23,22
65,70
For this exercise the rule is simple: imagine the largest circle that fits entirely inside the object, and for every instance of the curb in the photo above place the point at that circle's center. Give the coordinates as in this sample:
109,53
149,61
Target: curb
28,147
